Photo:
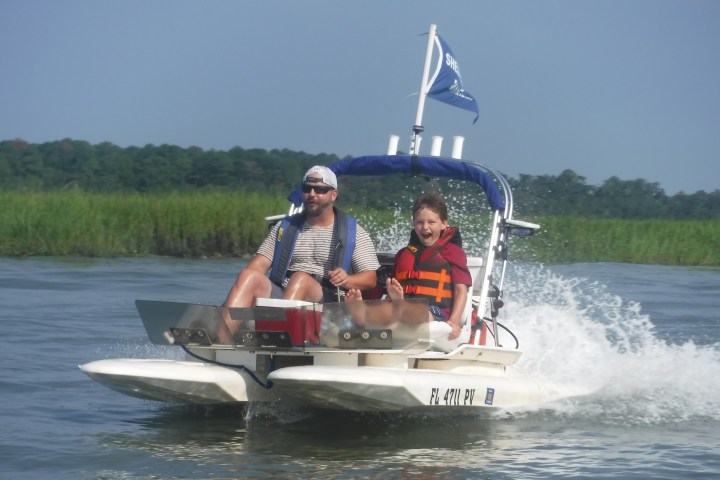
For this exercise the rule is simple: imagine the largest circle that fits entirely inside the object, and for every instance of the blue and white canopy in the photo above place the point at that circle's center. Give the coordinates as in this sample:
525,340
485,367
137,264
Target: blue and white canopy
416,165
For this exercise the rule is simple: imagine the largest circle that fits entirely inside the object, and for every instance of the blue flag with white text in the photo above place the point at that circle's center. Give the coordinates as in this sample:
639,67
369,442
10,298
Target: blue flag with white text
446,84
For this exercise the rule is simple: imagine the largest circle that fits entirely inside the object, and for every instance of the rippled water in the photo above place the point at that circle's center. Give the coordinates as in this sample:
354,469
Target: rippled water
645,338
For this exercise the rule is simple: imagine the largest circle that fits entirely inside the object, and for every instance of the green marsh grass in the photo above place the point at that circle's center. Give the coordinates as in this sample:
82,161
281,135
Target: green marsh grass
224,223
653,241
106,225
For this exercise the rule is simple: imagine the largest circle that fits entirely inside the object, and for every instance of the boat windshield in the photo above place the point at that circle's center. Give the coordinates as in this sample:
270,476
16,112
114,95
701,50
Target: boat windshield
375,324
369,324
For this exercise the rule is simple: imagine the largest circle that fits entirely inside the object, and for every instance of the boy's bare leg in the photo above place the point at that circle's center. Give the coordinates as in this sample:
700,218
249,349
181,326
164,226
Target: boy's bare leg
353,301
403,311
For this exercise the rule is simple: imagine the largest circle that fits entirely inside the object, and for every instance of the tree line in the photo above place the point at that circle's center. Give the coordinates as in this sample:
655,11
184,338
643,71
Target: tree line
106,167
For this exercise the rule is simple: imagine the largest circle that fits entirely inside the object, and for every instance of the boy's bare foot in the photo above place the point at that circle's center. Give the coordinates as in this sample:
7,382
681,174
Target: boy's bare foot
394,289
353,294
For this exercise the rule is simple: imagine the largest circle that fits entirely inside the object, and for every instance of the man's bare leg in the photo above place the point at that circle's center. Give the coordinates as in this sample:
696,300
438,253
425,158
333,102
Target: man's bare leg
248,286
303,287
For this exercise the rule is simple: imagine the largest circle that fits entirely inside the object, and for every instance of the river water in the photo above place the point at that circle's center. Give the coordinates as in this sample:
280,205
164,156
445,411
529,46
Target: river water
646,339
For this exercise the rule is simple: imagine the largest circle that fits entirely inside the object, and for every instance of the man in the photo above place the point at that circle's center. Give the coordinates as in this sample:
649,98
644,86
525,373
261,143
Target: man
311,255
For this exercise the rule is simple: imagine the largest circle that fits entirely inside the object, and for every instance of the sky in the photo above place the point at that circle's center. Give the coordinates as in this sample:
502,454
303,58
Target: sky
625,88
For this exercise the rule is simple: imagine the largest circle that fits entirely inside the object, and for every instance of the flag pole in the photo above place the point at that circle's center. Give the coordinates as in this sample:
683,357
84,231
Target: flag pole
418,128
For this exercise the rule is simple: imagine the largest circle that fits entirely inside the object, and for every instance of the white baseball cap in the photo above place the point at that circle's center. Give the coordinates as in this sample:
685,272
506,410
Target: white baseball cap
327,176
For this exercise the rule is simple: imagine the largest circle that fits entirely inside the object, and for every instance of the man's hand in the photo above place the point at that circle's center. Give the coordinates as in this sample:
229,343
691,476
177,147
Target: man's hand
338,277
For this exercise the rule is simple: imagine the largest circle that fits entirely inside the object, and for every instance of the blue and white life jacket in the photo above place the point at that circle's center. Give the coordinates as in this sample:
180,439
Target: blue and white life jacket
344,229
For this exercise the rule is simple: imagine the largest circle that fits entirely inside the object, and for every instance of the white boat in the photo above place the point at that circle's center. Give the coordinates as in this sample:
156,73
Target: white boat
323,355
318,355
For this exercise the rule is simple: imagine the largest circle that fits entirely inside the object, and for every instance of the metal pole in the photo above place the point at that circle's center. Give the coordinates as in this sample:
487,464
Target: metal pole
418,128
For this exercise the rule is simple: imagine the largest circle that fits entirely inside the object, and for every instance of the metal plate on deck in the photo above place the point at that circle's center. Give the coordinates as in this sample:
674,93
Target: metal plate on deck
265,339
370,339
189,336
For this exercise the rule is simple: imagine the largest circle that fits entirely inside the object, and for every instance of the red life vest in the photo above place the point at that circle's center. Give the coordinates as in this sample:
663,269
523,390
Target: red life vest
426,273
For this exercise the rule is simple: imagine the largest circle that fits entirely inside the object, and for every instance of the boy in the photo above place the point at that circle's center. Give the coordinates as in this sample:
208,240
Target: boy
432,266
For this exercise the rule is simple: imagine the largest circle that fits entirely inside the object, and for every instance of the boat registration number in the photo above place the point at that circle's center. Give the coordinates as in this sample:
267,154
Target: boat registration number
458,396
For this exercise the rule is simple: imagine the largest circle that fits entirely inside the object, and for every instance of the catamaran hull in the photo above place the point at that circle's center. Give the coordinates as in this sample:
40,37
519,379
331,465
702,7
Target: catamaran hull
172,381
363,389
369,389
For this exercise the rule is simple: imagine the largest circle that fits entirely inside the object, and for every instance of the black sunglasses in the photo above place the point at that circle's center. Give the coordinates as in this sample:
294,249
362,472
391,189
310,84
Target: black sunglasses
318,190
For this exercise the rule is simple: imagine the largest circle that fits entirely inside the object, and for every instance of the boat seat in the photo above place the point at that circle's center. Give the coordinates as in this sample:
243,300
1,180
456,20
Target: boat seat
387,263
440,330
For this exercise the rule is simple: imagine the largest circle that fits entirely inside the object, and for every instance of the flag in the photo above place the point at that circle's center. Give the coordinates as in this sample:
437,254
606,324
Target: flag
446,84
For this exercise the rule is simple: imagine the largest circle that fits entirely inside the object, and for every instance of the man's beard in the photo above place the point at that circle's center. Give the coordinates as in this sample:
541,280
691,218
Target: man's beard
320,207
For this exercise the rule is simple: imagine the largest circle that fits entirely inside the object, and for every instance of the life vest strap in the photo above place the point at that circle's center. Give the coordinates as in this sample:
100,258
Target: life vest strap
428,291
440,292
422,275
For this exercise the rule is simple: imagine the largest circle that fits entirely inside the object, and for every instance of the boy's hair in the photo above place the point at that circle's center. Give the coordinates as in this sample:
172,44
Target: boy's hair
432,201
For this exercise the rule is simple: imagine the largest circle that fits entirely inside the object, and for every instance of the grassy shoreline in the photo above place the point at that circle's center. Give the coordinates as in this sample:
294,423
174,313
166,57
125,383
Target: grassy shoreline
653,241
223,223
113,225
